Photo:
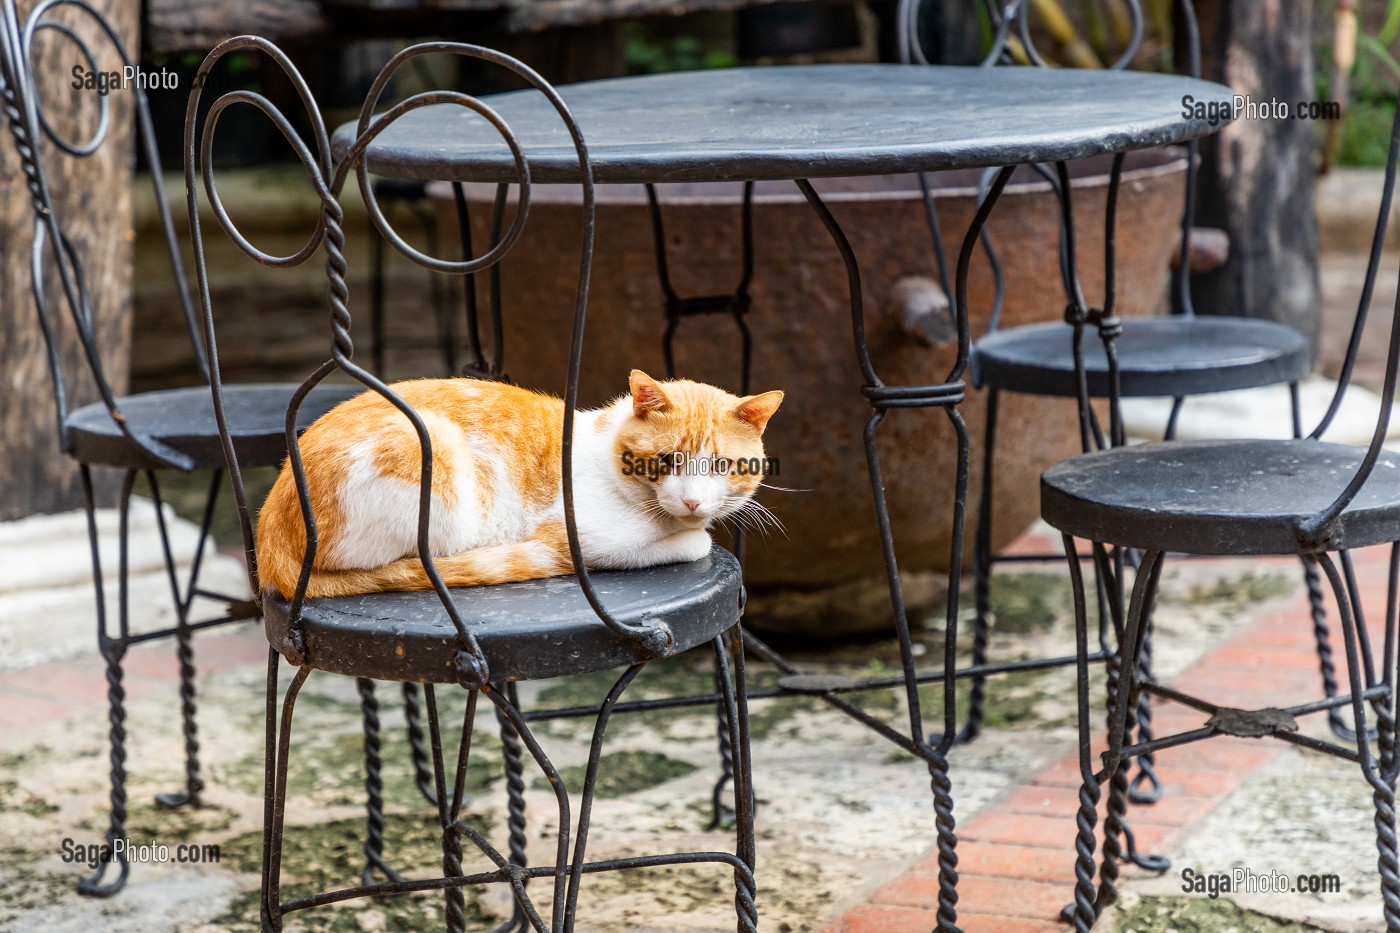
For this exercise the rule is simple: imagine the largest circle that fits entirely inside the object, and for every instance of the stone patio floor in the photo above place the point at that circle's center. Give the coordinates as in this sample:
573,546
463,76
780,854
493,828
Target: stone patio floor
845,822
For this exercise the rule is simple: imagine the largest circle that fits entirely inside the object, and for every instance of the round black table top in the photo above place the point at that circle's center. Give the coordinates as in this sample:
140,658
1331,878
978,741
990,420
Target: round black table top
804,121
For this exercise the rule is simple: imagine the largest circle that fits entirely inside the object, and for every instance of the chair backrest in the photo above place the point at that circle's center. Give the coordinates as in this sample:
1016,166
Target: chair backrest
1016,19
52,250
1315,530
329,179
1012,42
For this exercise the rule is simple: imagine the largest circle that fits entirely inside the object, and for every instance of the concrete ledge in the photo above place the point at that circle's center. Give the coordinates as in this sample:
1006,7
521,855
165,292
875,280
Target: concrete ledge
1259,413
47,604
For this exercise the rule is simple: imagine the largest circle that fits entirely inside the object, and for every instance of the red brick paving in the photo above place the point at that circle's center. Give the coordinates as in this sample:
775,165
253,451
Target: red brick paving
36,696
871,918
1015,857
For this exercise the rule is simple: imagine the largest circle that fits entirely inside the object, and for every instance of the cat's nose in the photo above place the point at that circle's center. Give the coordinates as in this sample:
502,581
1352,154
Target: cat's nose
691,504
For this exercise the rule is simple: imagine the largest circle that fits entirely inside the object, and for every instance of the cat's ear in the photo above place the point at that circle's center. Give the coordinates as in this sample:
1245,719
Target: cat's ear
755,410
646,394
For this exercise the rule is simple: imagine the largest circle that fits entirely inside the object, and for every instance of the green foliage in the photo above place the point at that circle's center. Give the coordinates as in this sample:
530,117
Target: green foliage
1365,132
652,55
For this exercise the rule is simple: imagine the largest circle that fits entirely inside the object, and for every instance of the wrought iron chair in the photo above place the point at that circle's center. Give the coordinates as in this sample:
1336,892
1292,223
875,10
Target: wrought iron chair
1175,356
1299,497
482,639
138,434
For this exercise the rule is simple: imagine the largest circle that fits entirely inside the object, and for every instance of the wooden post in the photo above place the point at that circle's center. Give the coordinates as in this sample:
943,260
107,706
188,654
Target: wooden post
1257,176
93,198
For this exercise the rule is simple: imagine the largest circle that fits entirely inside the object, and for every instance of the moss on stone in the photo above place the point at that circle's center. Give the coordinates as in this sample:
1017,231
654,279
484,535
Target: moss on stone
327,768
689,675
16,799
13,761
1013,700
623,773
148,820
1237,592
1198,915
1027,602
328,856
24,886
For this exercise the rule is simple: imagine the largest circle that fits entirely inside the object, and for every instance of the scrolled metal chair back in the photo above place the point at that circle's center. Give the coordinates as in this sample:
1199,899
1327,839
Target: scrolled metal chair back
1314,532
328,178
32,131
1017,15
1014,18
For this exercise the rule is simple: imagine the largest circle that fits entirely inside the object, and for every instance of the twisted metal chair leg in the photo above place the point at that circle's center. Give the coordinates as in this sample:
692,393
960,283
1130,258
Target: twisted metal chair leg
374,787
184,650
1114,819
512,755
1082,912
184,653
456,901
720,816
1326,667
1146,786
112,651
1388,862
1380,775
736,706
93,885
1122,679
277,748
942,787
1384,798
418,751
1122,670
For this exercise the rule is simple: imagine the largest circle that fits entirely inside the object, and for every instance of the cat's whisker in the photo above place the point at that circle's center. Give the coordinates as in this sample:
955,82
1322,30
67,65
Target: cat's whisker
650,509
767,515
782,488
753,514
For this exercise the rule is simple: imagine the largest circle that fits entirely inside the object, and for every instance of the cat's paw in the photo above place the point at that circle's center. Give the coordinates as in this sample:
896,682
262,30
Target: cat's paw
692,544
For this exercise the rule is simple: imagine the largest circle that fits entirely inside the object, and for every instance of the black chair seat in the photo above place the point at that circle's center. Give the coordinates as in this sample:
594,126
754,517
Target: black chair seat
527,631
1220,497
184,420
1162,356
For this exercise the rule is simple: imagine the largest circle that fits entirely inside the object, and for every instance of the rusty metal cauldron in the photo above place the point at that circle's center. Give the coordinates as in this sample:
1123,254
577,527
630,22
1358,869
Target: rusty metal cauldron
825,575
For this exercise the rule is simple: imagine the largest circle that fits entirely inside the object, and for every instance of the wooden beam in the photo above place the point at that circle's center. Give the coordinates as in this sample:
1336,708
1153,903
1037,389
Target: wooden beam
174,26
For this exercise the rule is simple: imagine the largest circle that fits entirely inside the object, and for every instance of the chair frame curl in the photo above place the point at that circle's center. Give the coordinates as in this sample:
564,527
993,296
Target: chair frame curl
472,669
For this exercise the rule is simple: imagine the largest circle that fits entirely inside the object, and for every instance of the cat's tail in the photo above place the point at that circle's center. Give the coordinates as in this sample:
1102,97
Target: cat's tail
543,555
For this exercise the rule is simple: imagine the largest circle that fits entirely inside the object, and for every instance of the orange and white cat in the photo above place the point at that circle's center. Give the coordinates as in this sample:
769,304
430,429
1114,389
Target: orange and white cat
498,513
